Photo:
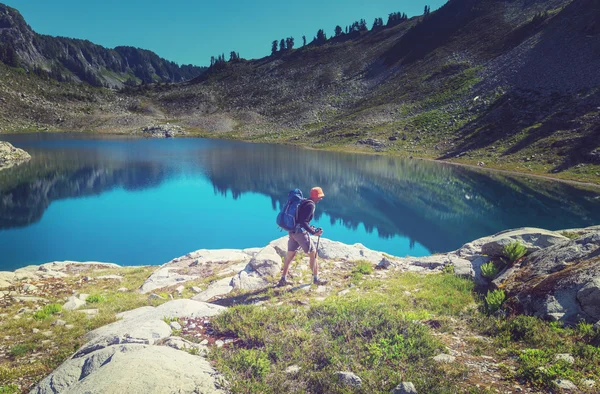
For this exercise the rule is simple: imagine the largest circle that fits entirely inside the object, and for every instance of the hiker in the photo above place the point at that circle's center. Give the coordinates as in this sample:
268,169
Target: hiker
300,237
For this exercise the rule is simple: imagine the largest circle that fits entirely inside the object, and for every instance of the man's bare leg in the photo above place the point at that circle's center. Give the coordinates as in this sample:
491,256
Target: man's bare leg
314,265
286,263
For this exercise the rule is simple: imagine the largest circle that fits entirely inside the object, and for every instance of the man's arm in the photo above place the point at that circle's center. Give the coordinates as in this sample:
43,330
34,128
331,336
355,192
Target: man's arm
305,215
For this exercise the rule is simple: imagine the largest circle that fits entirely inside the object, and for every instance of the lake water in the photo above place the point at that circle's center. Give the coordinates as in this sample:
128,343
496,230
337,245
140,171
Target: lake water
146,201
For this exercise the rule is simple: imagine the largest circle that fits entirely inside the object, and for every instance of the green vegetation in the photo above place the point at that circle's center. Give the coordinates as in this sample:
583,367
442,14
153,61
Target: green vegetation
514,251
569,234
373,333
95,298
9,389
361,268
47,311
536,344
494,300
489,270
21,349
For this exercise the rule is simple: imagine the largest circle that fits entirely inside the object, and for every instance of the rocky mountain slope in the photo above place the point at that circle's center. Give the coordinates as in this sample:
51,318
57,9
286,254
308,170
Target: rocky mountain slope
80,60
495,83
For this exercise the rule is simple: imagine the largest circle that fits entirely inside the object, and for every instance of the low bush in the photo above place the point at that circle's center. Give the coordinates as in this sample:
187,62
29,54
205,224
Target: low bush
21,349
494,300
95,298
489,270
47,311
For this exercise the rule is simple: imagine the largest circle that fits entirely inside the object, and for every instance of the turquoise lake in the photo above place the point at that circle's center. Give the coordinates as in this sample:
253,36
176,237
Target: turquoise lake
134,201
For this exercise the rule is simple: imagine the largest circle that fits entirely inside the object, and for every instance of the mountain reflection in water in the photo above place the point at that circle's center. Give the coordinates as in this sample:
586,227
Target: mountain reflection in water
436,205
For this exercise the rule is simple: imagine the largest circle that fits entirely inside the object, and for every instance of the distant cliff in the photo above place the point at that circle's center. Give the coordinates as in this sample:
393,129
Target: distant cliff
81,60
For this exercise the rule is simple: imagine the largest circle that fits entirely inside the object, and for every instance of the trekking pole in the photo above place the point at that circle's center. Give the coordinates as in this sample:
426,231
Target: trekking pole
318,240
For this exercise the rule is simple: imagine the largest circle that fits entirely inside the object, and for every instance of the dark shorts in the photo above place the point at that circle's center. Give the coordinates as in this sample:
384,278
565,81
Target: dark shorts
300,240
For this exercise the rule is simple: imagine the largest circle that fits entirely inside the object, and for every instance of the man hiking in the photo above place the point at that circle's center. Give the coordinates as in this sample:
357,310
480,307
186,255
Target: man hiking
300,238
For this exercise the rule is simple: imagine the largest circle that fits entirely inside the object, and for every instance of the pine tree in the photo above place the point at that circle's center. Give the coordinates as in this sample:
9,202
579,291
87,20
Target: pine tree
362,26
427,10
377,23
338,31
321,37
282,45
303,40
289,43
274,47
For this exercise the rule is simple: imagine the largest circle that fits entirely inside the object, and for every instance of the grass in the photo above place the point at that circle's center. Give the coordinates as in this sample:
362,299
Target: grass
372,333
535,344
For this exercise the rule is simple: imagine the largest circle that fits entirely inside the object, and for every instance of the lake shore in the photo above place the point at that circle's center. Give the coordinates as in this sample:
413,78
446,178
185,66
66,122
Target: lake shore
569,179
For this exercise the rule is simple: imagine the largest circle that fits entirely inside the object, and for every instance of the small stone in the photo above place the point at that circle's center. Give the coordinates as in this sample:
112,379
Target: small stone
196,289
204,342
180,290
69,326
155,296
444,358
405,388
565,357
589,383
292,369
219,343
349,379
123,290
175,326
59,322
385,264
565,384
35,330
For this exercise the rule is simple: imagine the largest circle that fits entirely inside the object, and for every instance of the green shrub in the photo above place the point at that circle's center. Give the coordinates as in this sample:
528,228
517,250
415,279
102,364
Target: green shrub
21,349
514,251
494,300
95,298
252,363
10,389
363,267
47,311
489,270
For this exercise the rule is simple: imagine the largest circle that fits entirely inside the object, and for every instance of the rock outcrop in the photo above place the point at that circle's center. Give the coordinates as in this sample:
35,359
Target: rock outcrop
134,355
560,282
163,131
10,156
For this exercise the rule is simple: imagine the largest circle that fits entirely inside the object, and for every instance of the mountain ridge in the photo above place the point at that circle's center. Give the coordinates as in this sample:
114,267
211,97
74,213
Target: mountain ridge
65,58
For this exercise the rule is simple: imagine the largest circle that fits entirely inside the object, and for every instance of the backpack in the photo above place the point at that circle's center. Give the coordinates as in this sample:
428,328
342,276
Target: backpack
286,219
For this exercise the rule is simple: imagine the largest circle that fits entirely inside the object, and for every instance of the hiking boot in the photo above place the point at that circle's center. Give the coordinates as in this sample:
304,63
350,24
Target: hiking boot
320,282
283,283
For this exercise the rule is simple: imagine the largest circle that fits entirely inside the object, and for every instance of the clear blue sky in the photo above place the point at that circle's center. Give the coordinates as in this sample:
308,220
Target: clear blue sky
191,31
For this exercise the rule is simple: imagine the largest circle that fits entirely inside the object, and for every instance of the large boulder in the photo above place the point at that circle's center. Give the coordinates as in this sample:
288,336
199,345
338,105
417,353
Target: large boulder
10,156
266,262
257,274
132,368
533,239
129,356
333,250
561,282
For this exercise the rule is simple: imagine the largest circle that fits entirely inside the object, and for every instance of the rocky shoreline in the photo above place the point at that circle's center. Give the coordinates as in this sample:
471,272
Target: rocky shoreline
11,156
557,280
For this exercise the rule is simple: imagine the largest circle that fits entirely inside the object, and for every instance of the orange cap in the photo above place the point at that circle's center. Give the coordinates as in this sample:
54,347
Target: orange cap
316,192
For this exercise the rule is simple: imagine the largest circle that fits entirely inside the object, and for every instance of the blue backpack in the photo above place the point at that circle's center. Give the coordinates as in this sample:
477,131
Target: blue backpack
286,219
